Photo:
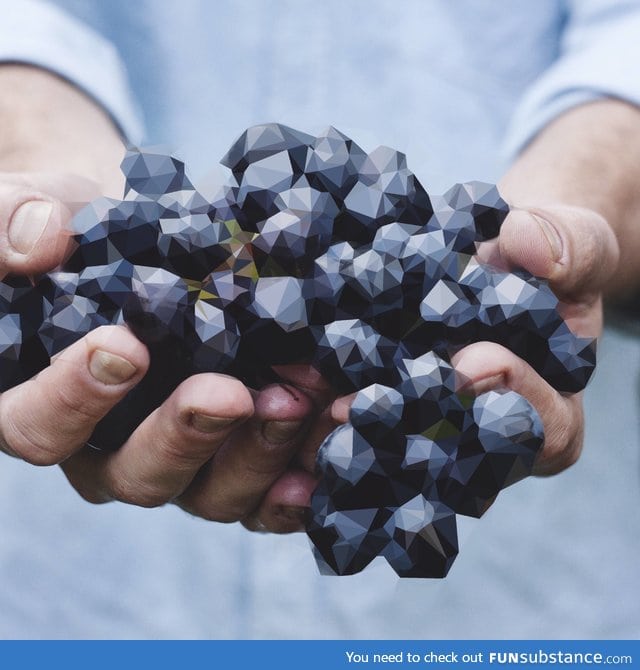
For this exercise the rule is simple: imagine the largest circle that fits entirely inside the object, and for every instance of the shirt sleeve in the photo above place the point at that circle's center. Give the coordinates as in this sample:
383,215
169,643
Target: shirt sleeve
38,33
599,57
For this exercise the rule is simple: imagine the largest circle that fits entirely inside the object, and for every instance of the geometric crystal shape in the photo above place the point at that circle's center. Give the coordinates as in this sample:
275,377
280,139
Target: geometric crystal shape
345,542
497,451
378,408
333,162
262,141
192,245
290,240
153,173
216,336
280,299
316,251
424,540
157,305
426,382
351,355
374,278
345,457
69,318
10,346
276,329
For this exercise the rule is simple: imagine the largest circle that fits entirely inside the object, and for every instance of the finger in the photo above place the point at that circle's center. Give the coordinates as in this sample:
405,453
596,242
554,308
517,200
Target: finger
49,417
308,379
574,248
490,366
35,211
318,389
285,506
232,485
166,451
319,429
340,408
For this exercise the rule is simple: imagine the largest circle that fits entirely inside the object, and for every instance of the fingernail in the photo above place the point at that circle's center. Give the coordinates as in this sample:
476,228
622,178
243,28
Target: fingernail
109,368
278,432
210,424
28,224
552,235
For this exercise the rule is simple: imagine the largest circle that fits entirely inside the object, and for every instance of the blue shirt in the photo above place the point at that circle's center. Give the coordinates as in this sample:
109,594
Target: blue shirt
459,86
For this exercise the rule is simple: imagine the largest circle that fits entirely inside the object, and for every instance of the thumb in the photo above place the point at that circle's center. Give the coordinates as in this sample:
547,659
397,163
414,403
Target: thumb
35,211
573,248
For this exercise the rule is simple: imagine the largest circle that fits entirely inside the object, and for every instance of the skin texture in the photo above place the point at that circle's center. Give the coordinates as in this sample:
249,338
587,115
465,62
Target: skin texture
228,453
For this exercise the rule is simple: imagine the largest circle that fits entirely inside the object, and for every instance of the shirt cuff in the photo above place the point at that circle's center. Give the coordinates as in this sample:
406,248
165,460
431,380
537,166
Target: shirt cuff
40,34
599,62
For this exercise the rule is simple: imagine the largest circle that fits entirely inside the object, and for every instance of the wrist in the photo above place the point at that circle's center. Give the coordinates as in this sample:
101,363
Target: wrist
588,158
48,125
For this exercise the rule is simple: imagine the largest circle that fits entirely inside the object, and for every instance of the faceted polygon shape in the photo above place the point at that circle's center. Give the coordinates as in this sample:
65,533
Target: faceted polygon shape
10,347
317,251
377,278
280,299
107,286
192,245
352,354
68,319
153,173
345,542
259,142
345,457
424,539
379,406
333,162
290,240
217,336
497,451
392,238
157,306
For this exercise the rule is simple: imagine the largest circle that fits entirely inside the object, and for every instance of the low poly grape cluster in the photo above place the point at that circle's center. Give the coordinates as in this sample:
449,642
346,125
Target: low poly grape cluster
317,251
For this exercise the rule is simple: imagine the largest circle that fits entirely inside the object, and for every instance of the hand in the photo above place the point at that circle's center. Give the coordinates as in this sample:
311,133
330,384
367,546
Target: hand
47,122
577,252
48,419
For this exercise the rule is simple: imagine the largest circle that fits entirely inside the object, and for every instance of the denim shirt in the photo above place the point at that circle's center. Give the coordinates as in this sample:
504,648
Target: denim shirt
459,86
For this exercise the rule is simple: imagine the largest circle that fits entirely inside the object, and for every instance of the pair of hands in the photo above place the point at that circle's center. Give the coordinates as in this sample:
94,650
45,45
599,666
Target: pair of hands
225,452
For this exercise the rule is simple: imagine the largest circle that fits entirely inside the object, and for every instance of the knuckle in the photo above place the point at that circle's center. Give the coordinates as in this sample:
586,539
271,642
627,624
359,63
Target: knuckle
77,406
220,516
89,493
81,476
209,513
34,451
92,497
181,453
203,505
31,444
137,493
268,460
562,450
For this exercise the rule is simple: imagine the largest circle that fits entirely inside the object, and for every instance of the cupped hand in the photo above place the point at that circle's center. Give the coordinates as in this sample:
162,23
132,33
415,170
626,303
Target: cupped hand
220,450
576,251
214,447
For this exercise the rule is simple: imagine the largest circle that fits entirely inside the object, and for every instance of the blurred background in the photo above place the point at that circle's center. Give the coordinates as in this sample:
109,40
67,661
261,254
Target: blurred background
459,87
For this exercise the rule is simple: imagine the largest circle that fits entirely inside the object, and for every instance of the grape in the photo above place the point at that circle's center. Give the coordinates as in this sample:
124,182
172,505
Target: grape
317,251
